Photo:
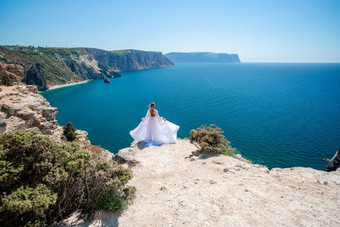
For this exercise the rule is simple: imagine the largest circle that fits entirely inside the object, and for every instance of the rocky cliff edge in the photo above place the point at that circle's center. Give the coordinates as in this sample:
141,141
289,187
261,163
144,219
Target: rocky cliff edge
177,188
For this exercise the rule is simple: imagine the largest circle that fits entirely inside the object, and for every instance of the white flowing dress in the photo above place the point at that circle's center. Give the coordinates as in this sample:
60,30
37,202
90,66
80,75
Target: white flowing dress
155,129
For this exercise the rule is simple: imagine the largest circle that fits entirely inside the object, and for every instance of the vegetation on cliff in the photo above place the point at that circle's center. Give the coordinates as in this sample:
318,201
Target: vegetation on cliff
42,181
53,66
5,80
129,60
69,131
211,140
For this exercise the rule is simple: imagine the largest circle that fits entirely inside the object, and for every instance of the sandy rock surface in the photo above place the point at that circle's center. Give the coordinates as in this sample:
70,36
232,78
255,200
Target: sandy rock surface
21,107
175,189
15,71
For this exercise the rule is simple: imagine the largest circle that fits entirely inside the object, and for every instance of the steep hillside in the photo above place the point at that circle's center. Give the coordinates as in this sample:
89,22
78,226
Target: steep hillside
129,60
202,57
46,67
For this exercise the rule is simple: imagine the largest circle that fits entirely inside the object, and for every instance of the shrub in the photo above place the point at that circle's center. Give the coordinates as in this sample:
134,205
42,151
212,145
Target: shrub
26,199
69,132
211,140
6,80
43,182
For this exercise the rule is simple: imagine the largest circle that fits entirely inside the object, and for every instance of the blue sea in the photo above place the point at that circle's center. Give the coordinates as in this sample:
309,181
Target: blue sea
276,114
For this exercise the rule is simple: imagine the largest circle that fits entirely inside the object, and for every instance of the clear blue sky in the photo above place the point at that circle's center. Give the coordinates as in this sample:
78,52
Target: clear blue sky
259,31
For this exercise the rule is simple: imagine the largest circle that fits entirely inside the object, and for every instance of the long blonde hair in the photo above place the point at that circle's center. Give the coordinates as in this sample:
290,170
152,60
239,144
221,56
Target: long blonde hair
152,109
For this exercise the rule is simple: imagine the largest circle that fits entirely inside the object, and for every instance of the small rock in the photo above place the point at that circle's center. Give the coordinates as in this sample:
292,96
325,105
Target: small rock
163,188
125,166
14,123
49,113
217,162
107,81
32,88
325,183
225,170
25,114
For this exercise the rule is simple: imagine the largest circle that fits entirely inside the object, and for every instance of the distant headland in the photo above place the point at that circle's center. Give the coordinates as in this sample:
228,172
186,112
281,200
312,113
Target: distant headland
202,57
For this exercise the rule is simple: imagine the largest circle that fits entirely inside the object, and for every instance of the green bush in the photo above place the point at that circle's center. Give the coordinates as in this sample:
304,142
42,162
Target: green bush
111,201
42,181
69,132
26,199
211,140
6,80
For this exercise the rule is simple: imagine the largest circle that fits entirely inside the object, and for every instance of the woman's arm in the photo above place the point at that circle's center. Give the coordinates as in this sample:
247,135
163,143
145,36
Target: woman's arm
157,115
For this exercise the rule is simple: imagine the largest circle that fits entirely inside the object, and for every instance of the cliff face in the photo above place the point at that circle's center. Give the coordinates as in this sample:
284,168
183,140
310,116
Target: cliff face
23,108
46,67
13,71
202,57
130,60
36,75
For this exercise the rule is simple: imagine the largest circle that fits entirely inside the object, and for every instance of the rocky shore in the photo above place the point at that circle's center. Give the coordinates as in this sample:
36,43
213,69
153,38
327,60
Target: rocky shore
67,85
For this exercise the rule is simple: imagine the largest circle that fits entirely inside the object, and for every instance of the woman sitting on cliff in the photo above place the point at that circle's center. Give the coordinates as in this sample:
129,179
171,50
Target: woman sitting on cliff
154,128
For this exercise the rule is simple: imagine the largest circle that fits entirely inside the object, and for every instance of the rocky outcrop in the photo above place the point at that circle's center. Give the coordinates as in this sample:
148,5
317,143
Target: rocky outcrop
36,75
48,67
14,72
107,81
177,188
334,163
202,57
23,108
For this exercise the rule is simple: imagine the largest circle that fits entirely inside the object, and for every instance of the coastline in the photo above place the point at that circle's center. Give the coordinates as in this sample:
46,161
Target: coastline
66,85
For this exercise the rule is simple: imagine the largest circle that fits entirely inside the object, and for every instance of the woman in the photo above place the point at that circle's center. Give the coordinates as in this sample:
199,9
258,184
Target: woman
154,128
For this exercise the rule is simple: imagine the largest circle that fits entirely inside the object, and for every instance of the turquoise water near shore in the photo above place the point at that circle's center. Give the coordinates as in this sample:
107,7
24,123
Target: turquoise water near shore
276,114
